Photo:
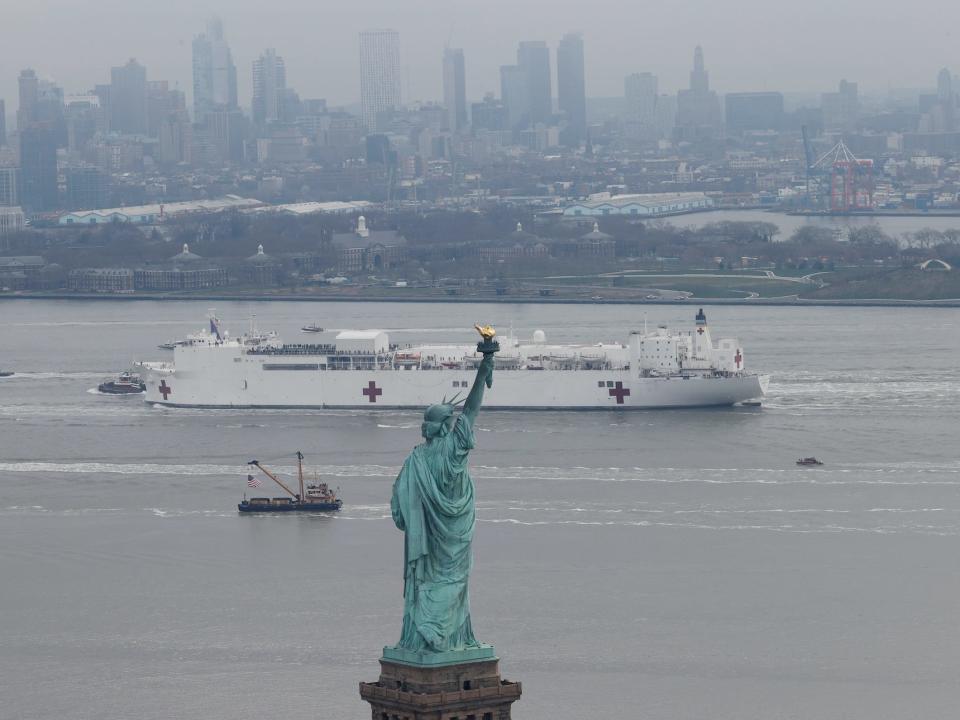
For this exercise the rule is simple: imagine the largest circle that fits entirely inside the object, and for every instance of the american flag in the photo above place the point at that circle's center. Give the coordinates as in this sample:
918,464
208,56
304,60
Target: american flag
253,482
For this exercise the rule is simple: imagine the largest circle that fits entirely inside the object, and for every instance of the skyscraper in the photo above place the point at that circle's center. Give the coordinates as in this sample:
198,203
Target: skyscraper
38,166
29,92
269,89
161,101
379,74
128,98
841,109
571,87
515,97
947,100
698,108
3,123
455,89
214,74
640,91
699,78
533,58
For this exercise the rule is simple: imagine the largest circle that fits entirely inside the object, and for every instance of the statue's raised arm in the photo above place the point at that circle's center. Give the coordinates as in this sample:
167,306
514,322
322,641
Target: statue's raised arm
487,347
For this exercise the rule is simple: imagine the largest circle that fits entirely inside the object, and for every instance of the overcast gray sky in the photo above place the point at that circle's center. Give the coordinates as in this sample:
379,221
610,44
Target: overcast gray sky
805,45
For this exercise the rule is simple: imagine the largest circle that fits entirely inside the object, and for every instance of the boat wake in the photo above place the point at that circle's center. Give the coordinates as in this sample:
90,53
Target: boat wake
80,375
906,474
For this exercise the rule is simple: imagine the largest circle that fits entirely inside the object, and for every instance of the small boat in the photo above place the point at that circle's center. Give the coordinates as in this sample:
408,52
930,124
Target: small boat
6,373
809,461
315,497
128,383
312,328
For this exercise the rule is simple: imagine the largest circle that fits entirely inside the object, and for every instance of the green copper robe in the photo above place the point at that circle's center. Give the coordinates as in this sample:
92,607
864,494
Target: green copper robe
433,504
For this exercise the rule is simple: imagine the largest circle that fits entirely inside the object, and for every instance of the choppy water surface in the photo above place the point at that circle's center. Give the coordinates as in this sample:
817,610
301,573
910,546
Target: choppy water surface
668,564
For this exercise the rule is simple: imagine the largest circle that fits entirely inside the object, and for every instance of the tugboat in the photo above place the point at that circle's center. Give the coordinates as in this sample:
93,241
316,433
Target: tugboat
311,328
172,345
129,383
316,497
809,461
6,373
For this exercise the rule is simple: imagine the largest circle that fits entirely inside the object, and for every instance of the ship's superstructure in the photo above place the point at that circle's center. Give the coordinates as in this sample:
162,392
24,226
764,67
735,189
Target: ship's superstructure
362,369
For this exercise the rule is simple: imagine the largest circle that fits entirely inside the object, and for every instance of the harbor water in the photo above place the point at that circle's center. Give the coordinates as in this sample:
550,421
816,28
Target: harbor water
657,564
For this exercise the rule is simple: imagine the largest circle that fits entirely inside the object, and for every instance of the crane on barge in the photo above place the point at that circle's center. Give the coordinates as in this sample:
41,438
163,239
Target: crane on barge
313,498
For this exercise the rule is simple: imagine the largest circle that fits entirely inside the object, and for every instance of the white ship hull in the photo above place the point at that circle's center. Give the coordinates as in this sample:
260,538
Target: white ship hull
252,387
648,372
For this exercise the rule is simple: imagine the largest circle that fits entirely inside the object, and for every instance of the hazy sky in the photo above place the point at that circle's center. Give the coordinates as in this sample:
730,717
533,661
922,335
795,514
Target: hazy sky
749,44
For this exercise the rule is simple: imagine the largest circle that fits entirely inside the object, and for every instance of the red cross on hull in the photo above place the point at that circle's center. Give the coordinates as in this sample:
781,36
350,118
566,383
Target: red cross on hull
165,389
372,391
619,392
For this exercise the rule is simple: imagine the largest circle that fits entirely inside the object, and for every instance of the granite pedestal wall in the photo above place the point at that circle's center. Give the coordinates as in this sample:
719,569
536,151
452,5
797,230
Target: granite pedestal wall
471,690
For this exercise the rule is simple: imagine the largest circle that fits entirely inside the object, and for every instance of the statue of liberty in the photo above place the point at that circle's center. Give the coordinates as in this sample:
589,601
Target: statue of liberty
433,504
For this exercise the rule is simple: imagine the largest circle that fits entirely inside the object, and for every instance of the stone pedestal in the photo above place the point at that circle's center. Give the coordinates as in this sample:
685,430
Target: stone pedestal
468,690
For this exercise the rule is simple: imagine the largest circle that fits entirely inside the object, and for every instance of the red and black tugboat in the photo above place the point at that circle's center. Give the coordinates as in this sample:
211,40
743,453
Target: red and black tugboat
314,497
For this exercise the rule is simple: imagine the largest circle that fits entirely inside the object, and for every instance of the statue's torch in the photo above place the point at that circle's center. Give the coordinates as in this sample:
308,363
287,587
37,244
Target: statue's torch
487,347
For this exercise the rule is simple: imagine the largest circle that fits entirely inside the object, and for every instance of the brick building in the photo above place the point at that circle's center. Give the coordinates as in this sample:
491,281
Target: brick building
366,250
101,280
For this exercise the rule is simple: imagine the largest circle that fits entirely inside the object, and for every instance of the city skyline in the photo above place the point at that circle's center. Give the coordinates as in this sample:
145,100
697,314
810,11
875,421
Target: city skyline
773,62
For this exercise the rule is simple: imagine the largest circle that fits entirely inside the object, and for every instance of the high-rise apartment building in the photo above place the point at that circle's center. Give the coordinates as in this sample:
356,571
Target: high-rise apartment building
489,115
84,117
9,186
176,138
533,58
640,91
379,74
225,131
38,166
214,74
269,89
571,88
128,98
455,89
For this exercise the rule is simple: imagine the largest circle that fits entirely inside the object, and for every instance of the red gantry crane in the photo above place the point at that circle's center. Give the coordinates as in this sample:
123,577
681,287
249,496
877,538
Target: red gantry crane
851,179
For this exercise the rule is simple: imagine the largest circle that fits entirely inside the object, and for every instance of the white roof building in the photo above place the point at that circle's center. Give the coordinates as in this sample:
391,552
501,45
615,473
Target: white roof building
310,208
148,214
647,205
